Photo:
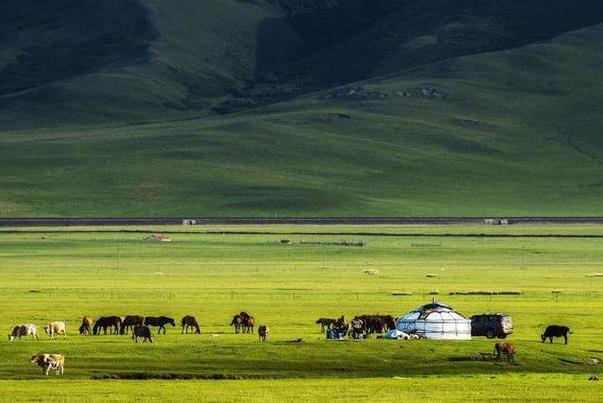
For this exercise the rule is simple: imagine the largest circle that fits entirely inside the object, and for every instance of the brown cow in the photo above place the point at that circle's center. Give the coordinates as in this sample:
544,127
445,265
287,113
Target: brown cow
507,349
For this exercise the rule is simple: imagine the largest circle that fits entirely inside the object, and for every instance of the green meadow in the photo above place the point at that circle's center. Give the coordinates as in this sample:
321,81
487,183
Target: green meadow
215,272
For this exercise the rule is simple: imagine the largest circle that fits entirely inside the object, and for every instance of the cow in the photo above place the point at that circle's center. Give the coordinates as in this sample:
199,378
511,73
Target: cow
159,321
47,362
506,349
142,331
86,326
24,330
555,331
263,332
56,328
129,322
189,322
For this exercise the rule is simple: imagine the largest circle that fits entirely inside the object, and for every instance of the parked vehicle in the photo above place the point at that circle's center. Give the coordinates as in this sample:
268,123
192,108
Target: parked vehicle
491,325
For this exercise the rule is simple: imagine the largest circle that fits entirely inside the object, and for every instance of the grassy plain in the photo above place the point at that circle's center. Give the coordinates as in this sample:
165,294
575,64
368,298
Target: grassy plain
63,275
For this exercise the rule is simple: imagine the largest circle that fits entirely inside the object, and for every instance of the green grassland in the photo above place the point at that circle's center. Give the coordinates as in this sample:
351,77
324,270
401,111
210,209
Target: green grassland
58,275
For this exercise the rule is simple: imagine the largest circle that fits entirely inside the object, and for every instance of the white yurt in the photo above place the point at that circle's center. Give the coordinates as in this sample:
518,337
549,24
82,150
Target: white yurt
436,321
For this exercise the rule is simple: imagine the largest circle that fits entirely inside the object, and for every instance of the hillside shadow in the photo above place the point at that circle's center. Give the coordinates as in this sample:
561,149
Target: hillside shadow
322,46
61,39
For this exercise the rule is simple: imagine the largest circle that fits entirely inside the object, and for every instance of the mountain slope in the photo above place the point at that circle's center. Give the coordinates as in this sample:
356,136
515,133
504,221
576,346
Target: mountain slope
513,132
83,62
69,62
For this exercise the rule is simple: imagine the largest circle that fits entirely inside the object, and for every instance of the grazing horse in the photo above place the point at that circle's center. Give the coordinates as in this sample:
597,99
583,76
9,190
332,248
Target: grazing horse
237,322
142,331
325,323
372,324
248,325
129,322
555,331
263,332
506,349
159,321
86,326
190,321
105,322
389,321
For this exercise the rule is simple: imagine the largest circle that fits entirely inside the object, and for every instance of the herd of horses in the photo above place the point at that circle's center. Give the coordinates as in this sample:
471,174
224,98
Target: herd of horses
125,324
136,324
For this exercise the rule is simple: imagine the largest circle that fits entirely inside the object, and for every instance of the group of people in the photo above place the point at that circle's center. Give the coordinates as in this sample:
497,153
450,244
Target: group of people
360,327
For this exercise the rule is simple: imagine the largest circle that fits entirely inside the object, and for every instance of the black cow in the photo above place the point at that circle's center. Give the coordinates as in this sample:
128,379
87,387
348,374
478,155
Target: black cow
555,331
142,331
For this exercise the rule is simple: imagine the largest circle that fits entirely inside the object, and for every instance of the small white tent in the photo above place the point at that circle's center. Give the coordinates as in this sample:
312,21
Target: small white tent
436,321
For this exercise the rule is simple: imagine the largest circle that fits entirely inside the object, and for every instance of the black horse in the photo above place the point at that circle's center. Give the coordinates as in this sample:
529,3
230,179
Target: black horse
129,322
107,322
159,321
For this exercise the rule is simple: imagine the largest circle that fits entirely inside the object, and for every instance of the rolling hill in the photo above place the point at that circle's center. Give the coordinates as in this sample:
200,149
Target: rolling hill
288,108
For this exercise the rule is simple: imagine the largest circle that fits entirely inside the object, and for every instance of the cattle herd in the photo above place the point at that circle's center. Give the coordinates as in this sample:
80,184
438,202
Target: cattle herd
359,327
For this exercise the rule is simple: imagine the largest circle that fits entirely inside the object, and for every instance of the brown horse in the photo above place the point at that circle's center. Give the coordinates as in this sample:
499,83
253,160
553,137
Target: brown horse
248,325
159,321
107,322
190,321
129,322
237,322
86,326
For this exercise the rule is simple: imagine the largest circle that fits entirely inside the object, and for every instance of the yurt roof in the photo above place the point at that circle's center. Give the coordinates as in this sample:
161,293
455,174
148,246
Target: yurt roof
434,307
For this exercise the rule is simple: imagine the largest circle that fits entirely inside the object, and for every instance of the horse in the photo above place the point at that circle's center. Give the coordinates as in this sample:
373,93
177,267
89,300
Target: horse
389,321
159,321
372,323
243,322
105,322
129,322
506,349
190,322
86,326
237,322
263,332
142,331
248,325
325,323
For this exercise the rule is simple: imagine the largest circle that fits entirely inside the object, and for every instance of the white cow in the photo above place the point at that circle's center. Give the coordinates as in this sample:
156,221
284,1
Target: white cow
56,328
24,330
47,362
